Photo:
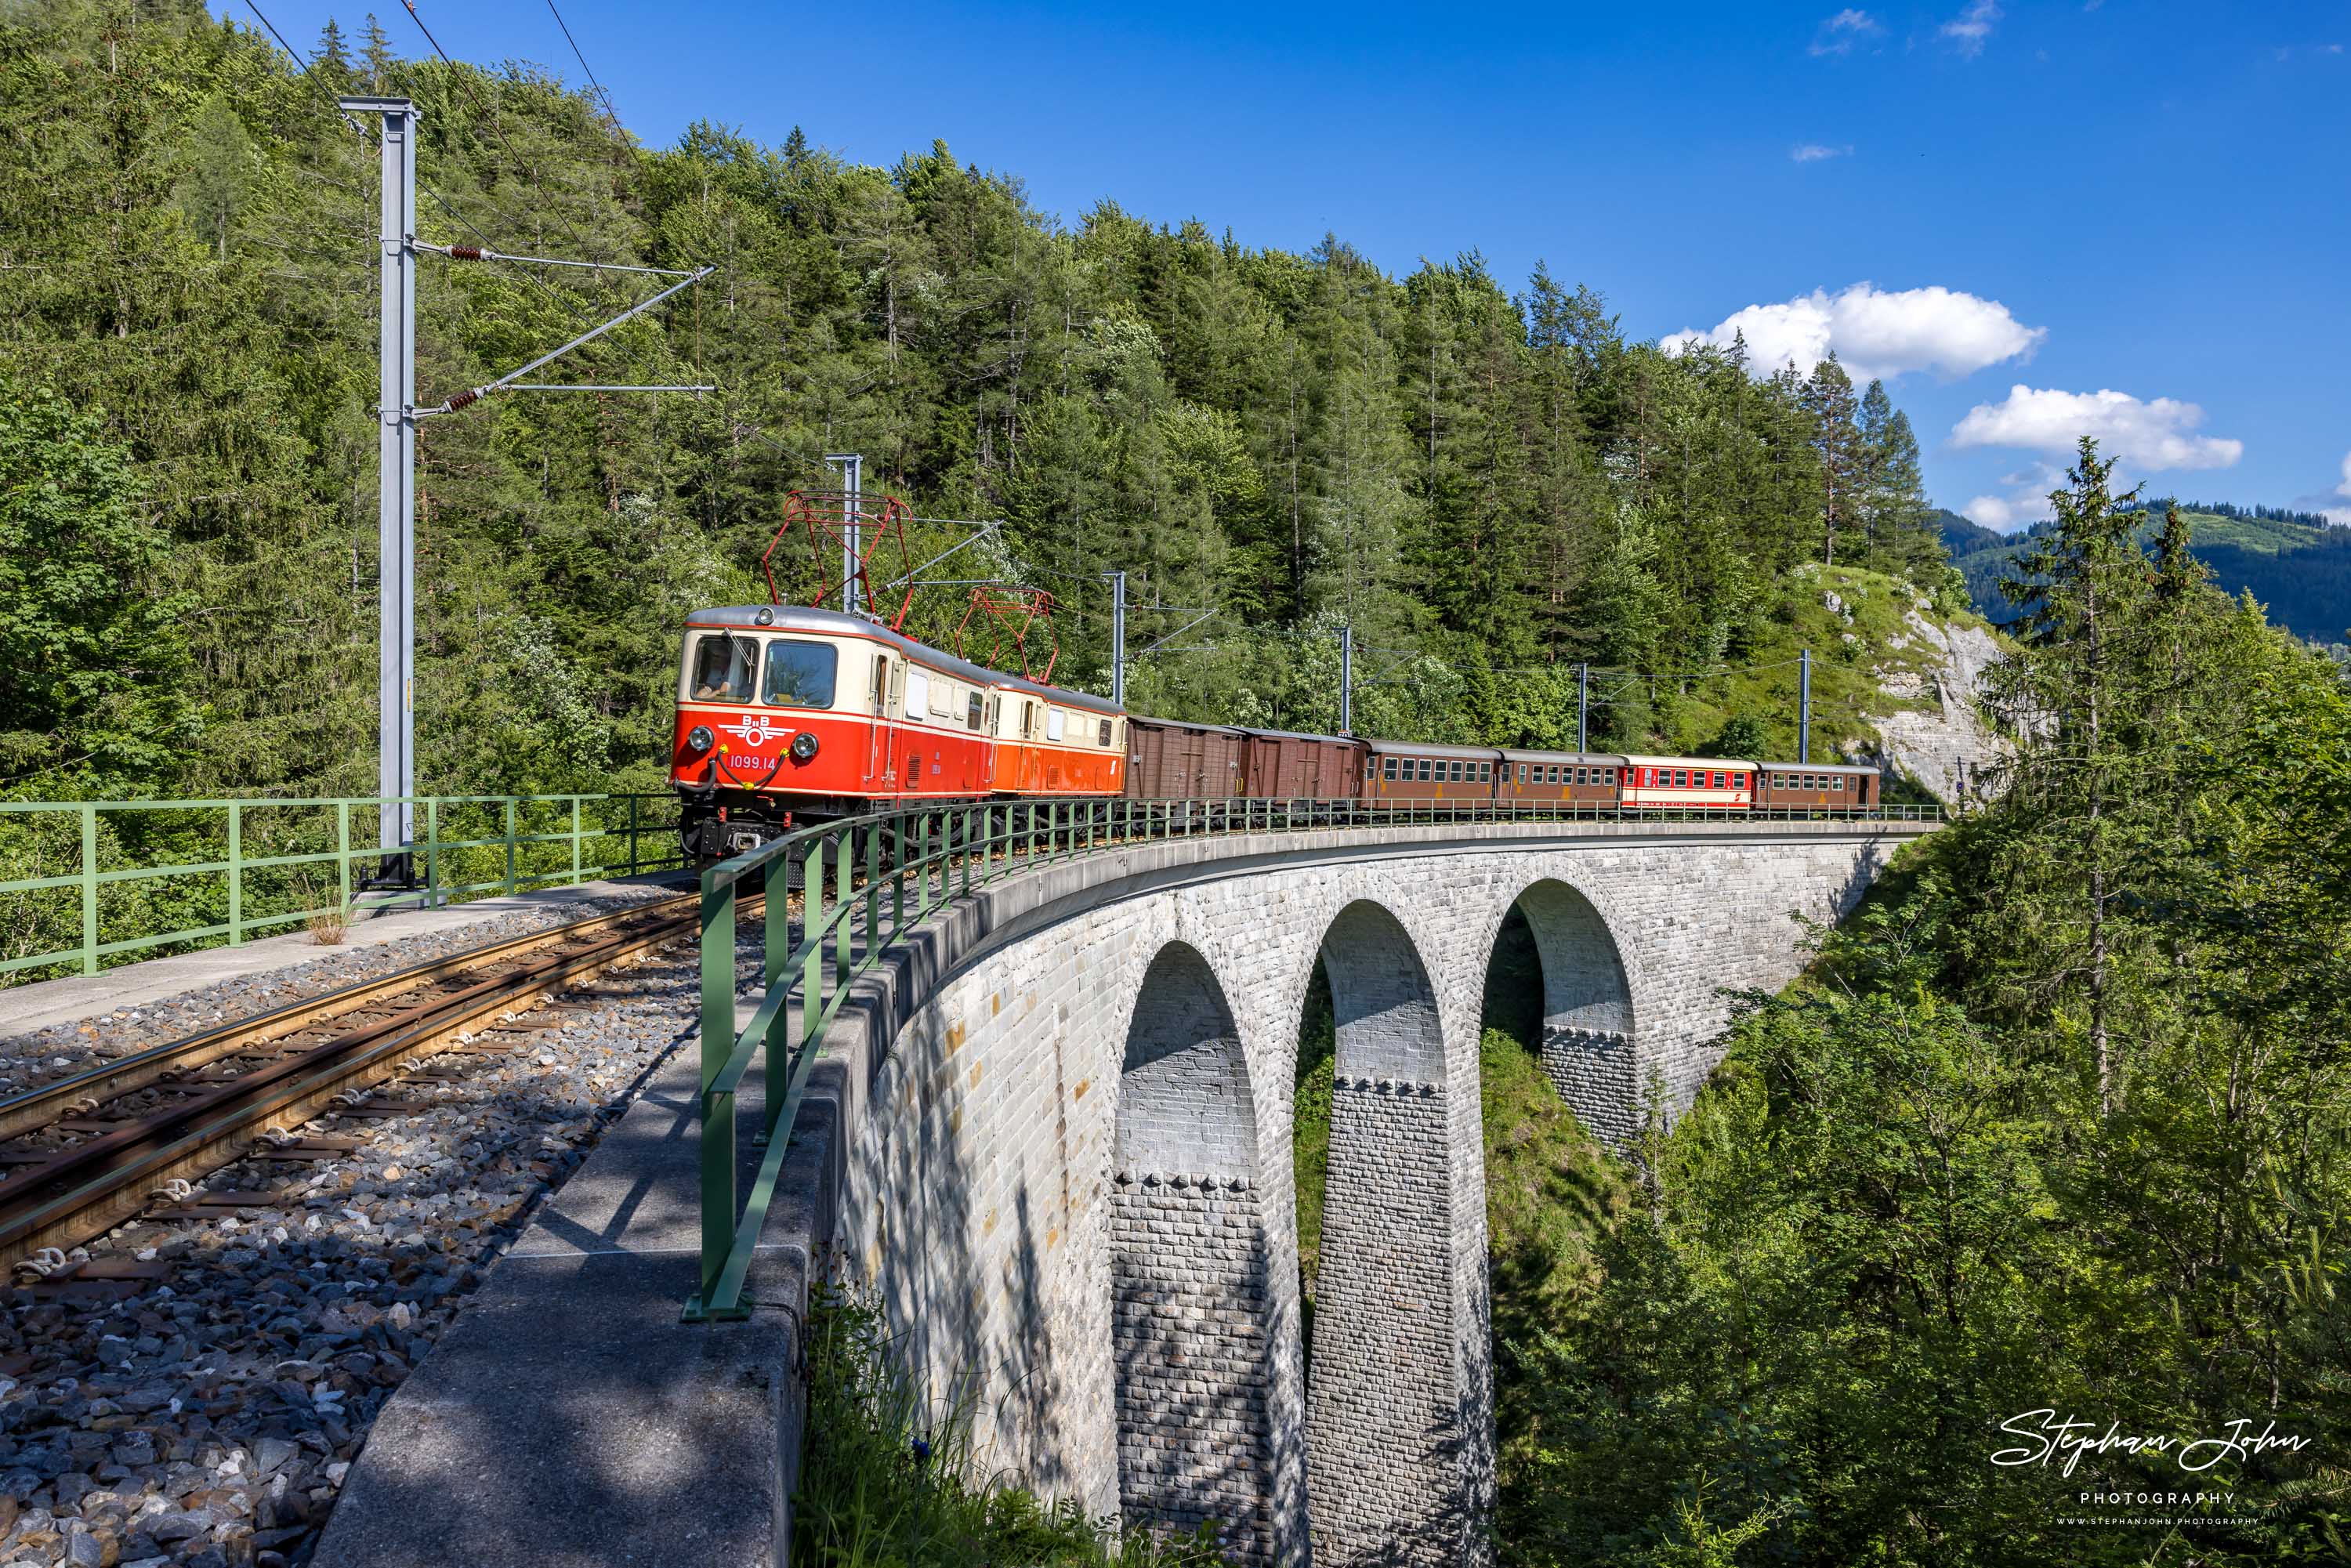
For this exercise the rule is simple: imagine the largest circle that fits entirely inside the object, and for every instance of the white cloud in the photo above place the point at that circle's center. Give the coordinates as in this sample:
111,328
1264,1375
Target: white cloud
2341,516
1814,151
1876,332
2147,435
1838,35
1969,30
1990,512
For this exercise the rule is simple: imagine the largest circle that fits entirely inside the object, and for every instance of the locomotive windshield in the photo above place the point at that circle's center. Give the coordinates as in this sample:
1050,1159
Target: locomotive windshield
722,669
800,674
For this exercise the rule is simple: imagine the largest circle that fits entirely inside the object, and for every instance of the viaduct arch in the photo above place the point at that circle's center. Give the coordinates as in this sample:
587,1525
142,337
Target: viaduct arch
1060,1145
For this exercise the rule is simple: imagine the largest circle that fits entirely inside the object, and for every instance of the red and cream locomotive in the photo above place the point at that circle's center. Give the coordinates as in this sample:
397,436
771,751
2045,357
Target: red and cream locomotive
787,717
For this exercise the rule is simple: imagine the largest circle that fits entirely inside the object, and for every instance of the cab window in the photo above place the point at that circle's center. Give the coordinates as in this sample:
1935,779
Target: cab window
972,709
1054,724
800,674
722,669
1104,737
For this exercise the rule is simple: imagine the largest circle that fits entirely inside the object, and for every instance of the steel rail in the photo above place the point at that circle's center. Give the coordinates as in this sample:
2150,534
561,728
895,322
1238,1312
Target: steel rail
90,1188
35,1108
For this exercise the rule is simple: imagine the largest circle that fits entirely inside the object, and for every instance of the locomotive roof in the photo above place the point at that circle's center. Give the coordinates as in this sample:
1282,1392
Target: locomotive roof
1435,748
1612,757
838,624
1689,761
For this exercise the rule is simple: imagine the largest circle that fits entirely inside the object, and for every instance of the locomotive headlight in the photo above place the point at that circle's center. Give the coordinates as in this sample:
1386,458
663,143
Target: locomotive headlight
803,746
698,739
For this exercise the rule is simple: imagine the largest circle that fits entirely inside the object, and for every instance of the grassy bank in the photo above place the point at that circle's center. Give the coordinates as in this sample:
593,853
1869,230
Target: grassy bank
889,1481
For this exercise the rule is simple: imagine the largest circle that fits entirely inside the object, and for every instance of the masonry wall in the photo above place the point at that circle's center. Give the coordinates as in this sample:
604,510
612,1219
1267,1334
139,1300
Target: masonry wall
979,1196
1595,1073
1189,1299
1383,1403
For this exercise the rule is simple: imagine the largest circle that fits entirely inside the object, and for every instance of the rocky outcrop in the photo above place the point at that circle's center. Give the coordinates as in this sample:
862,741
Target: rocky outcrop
1946,744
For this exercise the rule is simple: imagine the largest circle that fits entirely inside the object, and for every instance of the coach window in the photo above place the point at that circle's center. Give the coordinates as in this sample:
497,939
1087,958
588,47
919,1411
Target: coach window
1717,782
722,669
800,674
1836,781
1388,768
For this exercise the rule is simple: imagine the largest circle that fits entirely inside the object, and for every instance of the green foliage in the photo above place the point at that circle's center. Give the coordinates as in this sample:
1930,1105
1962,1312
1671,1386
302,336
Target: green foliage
2057,1120
888,1481
1487,489
2297,565
98,671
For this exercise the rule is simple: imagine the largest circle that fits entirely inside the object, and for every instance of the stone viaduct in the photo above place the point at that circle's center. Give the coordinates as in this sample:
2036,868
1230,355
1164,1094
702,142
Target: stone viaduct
1059,1151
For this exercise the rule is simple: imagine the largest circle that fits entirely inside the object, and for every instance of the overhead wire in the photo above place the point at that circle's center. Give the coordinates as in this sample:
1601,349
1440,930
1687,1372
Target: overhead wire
570,304
808,462
605,98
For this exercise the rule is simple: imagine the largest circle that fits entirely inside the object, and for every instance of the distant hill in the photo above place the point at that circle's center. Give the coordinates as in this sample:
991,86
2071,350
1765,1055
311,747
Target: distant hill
2296,565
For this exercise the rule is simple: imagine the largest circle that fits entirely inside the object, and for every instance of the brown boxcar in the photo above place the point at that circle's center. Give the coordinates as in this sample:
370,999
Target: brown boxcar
1282,765
1167,760
1808,786
1397,771
1582,778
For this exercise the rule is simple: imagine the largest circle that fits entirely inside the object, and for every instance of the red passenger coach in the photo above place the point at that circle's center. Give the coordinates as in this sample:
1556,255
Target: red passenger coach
1655,782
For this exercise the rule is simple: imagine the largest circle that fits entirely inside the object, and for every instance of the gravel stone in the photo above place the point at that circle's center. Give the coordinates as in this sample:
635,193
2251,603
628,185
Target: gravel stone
210,1418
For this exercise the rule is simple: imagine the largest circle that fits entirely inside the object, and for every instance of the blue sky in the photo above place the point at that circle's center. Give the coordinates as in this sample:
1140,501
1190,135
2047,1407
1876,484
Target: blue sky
2138,214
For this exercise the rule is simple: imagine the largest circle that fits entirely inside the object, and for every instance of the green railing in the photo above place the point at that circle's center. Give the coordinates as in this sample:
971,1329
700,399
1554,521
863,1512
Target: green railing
865,882
132,876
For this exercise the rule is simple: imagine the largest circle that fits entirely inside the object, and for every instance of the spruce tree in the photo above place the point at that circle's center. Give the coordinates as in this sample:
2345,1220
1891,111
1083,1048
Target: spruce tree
1836,443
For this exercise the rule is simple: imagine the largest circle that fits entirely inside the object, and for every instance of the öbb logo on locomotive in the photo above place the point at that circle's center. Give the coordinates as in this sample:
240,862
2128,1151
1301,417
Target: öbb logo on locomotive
838,715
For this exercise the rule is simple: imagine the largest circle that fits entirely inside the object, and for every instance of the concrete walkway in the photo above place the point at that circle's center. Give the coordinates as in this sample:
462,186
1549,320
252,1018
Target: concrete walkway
25,1008
567,1419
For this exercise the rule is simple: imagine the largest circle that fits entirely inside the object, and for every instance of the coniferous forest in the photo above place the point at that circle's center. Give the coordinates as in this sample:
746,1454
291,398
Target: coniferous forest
2057,1122
1486,481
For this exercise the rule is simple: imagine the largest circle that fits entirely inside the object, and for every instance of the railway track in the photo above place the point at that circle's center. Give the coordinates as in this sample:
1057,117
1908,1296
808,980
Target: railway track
94,1149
